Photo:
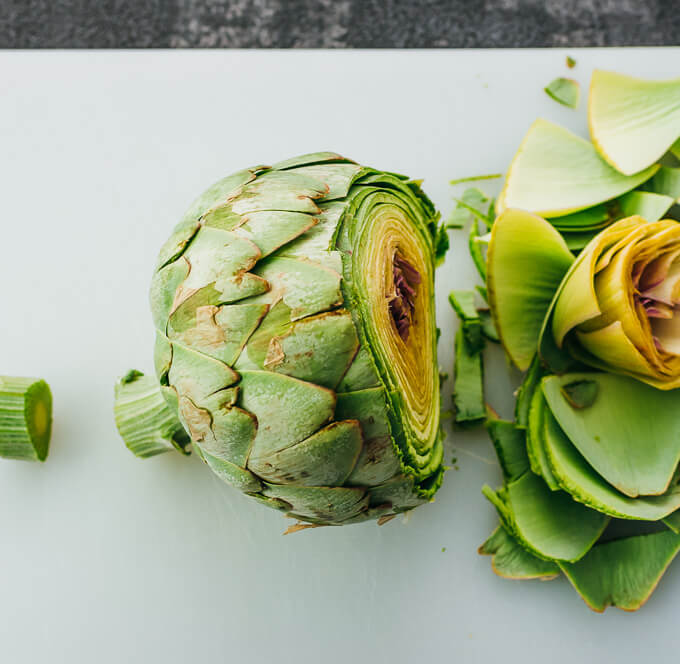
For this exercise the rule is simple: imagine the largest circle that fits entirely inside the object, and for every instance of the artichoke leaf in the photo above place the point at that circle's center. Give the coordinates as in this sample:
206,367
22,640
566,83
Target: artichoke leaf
633,121
555,173
585,485
623,572
550,524
611,431
509,442
526,261
510,560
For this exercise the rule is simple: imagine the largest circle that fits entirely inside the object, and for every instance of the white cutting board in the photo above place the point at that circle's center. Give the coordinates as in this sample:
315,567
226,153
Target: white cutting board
106,558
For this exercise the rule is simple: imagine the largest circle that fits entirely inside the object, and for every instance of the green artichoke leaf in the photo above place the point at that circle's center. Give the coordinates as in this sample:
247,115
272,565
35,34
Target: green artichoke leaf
399,490
271,397
488,328
475,178
473,202
565,91
468,392
267,229
629,434
361,375
223,430
648,205
632,121
376,464
475,249
326,458
555,173
240,478
672,521
196,375
550,524
526,261
623,572
311,159
279,190
535,435
577,241
510,560
590,219
666,182
319,503
526,390
463,303
369,406
317,348
509,442
338,177
578,478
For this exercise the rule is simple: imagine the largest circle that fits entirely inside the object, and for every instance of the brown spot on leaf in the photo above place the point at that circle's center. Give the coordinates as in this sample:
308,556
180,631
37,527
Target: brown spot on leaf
197,420
275,354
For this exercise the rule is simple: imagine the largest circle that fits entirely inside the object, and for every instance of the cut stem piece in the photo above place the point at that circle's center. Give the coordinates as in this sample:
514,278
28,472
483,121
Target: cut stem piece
25,418
144,419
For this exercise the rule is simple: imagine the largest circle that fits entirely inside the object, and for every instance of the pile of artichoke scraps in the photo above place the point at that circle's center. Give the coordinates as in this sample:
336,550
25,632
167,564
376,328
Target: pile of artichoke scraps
580,263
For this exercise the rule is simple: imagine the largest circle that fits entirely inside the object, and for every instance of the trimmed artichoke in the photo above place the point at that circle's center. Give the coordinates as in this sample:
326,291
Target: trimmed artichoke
296,339
617,308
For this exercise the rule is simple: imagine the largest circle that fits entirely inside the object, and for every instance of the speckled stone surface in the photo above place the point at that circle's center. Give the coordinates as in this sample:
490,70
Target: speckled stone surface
336,23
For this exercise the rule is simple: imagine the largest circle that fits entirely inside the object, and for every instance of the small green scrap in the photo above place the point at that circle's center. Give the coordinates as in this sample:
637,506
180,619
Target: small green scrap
571,63
463,303
475,178
473,201
468,392
565,91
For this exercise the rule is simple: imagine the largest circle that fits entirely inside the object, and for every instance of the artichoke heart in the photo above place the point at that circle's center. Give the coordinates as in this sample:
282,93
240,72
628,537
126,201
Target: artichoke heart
618,308
296,339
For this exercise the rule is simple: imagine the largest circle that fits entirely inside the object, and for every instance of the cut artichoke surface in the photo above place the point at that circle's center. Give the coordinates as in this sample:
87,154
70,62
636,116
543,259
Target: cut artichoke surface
25,418
296,339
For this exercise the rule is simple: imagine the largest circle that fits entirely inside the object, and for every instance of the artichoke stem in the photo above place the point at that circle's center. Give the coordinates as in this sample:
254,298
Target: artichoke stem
25,418
146,423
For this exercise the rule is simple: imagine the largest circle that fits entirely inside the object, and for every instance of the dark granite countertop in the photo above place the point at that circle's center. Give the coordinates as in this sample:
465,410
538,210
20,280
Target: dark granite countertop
336,23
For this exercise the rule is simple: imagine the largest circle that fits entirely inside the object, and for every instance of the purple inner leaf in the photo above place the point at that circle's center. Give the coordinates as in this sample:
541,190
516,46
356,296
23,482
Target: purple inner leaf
402,304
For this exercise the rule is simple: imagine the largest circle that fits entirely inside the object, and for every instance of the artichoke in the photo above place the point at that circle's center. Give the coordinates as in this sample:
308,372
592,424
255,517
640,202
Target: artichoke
617,308
296,339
